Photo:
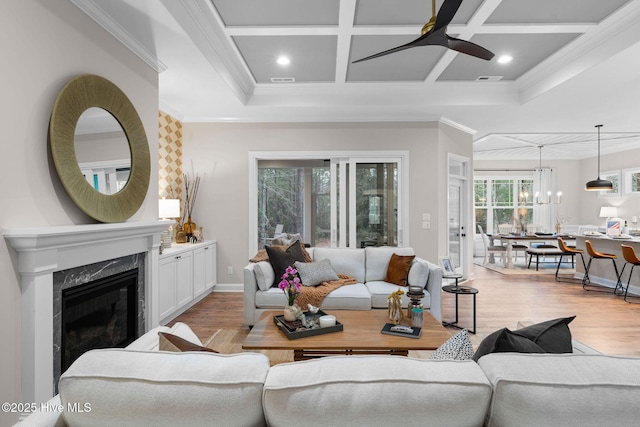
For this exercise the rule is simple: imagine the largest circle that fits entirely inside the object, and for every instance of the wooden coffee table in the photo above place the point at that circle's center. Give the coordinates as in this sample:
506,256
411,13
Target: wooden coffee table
361,335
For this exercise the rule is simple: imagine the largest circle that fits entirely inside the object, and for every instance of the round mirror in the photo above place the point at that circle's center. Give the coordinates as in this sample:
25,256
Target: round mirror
79,95
102,151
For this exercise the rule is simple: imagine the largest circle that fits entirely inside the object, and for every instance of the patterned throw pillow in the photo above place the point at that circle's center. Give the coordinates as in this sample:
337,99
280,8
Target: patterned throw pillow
458,347
314,273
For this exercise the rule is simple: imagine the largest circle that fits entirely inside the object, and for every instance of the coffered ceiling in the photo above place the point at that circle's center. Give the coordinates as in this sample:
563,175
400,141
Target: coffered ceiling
575,64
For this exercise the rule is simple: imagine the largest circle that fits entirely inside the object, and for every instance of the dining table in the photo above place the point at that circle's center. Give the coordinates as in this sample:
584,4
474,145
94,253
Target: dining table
511,238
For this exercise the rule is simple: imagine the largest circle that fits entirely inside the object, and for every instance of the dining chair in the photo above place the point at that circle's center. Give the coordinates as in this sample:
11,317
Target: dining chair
491,249
278,231
515,247
533,228
631,257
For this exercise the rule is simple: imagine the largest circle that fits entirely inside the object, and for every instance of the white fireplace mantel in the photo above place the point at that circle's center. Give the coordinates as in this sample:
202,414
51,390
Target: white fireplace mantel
45,250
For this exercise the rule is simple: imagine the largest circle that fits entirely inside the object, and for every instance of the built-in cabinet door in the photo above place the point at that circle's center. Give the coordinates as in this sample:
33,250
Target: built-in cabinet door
210,266
199,271
184,277
167,287
204,269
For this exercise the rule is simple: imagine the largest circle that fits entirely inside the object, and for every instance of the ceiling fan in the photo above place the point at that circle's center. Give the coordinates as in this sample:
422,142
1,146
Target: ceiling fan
434,34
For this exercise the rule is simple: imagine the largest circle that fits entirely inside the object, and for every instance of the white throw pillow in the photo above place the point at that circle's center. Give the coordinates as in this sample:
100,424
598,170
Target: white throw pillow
458,347
265,275
314,273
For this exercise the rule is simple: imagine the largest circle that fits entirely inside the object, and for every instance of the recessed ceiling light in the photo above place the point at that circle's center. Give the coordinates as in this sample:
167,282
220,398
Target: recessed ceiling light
283,60
505,59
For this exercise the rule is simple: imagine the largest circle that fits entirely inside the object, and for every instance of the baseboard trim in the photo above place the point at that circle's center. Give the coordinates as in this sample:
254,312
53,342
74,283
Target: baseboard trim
228,287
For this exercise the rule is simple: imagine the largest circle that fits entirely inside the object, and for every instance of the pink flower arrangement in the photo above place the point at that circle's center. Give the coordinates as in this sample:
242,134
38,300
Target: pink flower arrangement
290,284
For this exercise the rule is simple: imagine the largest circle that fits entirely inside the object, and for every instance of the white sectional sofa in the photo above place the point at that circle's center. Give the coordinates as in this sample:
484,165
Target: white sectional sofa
138,387
368,266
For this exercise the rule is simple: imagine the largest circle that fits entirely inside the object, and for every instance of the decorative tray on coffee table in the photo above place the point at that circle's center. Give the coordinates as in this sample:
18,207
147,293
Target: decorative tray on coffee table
294,330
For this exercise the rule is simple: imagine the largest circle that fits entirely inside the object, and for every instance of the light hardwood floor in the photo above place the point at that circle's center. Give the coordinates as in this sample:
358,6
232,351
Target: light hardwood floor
603,321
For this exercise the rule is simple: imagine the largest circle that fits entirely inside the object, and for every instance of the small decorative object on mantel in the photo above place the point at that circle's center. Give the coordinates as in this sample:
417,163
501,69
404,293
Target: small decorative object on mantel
181,236
290,284
190,192
395,306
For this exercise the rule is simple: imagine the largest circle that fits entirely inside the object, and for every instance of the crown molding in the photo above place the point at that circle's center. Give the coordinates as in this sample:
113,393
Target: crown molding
95,12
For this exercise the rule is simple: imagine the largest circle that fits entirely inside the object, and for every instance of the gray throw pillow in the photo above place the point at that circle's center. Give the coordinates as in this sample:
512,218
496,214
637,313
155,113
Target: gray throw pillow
314,273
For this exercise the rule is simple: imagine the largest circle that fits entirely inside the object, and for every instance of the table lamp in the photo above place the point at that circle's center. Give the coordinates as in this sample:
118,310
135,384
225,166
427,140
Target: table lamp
168,209
608,212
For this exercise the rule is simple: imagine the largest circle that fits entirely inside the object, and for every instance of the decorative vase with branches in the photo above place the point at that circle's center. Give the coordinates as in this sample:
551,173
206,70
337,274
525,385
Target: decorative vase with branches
191,186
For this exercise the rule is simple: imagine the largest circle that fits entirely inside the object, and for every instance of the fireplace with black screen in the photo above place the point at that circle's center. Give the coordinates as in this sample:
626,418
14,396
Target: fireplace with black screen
99,314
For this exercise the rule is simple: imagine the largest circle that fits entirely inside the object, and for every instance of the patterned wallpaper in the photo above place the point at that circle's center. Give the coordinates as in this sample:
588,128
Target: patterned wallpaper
169,157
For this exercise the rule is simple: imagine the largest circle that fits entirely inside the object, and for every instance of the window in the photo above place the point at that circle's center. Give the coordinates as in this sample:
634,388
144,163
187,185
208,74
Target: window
481,202
614,177
502,201
347,202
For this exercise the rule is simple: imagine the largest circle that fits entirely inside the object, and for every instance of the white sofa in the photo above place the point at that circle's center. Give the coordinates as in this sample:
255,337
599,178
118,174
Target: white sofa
368,266
138,387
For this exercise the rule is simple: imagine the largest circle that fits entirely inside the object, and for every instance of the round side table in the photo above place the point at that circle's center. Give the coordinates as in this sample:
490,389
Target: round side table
461,290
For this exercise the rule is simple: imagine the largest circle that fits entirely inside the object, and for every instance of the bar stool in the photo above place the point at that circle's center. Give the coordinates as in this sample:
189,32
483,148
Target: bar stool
630,256
569,251
593,254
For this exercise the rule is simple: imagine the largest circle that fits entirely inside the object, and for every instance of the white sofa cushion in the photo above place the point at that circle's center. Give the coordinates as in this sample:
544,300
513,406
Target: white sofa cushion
125,387
418,273
562,389
265,276
380,291
343,261
377,259
376,391
348,297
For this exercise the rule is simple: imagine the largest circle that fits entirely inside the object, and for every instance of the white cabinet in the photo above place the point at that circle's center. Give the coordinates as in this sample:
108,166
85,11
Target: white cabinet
204,269
187,273
184,277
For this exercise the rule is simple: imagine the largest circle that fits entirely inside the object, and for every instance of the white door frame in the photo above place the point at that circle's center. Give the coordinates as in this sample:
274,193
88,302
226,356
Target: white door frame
467,233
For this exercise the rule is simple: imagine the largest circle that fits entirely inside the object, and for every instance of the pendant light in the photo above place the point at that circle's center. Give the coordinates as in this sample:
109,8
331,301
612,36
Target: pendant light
539,200
599,184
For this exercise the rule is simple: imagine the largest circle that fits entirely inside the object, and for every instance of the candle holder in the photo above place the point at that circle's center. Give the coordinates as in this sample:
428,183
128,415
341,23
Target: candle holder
415,294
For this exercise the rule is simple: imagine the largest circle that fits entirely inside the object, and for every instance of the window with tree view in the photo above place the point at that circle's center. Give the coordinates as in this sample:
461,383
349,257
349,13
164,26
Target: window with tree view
298,197
503,201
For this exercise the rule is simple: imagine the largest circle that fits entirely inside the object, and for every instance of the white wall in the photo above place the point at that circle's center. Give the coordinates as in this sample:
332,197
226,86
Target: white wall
628,205
44,44
220,152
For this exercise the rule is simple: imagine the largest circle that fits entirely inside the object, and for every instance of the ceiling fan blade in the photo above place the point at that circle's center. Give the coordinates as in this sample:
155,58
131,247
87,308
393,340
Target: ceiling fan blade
469,48
392,50
446,13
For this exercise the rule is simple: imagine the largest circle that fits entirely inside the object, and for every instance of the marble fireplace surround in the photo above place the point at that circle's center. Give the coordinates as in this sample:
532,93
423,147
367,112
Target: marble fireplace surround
41,251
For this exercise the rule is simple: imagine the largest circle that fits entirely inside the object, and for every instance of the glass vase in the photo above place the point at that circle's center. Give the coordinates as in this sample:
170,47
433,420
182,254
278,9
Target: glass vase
289,313
189,227
181,236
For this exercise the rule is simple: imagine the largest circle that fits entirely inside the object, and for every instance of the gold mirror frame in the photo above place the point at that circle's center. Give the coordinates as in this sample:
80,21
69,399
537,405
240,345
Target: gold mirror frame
76,96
